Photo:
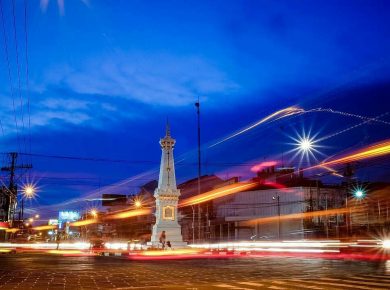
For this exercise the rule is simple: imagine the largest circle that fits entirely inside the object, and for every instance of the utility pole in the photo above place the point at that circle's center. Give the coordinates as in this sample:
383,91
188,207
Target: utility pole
197,105
12,189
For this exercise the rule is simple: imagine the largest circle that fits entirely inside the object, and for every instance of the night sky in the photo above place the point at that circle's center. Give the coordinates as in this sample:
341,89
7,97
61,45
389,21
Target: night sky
104,76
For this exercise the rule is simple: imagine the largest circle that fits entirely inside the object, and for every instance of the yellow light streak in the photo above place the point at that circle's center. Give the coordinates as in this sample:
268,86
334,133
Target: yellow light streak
130,213
171,252
217,193
377,150
84,222
12,230
301,215
44,228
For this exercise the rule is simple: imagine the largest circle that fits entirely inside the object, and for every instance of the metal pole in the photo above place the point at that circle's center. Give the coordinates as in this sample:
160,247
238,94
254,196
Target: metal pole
278,197
22,209
193,224
197,105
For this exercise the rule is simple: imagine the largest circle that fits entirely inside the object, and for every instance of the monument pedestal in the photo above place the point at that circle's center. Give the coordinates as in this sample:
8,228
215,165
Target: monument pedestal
172,233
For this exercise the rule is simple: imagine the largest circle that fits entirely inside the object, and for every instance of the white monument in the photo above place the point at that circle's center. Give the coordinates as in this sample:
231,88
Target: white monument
167,197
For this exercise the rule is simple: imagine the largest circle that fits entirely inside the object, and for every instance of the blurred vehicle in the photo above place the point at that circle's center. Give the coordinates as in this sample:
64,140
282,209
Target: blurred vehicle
97,246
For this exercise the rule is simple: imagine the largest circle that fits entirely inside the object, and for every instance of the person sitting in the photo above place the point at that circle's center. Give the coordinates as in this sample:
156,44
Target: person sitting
169,245
163,239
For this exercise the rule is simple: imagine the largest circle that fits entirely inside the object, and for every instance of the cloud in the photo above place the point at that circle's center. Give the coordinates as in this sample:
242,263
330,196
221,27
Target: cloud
153,79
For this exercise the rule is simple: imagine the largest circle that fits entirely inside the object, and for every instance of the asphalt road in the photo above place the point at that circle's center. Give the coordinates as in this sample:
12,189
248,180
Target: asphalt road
29,271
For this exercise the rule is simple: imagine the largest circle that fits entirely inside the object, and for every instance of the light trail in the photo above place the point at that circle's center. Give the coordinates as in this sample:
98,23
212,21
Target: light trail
217,193
84,222
365,118
44,228
355,126
377,150
48,246
301,215
262,165
12,230
289,111
130,213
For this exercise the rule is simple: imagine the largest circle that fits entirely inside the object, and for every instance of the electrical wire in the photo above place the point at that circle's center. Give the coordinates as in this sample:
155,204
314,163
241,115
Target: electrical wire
9,74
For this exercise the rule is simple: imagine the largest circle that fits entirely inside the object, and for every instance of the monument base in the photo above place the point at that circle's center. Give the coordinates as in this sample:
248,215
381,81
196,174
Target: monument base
172,233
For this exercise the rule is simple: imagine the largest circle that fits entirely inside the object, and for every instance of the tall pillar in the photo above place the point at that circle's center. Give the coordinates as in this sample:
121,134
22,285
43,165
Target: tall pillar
167,197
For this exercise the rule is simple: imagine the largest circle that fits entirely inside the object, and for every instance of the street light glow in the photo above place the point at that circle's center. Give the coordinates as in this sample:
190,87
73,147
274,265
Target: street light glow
93,212
306,144
386,244
29,190
359,193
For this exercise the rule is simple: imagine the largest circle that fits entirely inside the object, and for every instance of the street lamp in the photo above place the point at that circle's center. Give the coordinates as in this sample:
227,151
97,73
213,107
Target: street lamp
305,144
359,193
29,191
138,204
93,212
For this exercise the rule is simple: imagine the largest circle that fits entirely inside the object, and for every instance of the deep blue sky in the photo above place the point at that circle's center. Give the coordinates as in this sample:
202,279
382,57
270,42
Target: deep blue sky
105,75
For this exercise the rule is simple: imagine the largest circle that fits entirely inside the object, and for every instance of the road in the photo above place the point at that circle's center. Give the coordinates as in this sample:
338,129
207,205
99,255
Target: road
32,271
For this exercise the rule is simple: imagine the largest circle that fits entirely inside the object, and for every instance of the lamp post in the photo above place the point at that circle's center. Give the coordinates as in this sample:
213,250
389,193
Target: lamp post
277,198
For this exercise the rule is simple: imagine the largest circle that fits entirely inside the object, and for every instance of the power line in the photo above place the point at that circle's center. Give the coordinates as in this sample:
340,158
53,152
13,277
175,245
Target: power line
27,73
9,74
18,69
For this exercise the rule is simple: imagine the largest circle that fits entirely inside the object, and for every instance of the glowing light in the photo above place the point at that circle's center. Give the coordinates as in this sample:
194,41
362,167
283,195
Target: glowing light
300,215
170,253
29,190
130,213
306,146
12,230
372,151
359,193
69,246
217,193
263,165
37,216
84,222
137,203
93,212
386,244
289,111
44,228
30,220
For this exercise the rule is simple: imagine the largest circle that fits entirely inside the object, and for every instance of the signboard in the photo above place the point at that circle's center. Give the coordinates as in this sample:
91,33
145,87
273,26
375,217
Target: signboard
113,199
53,222
68,216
